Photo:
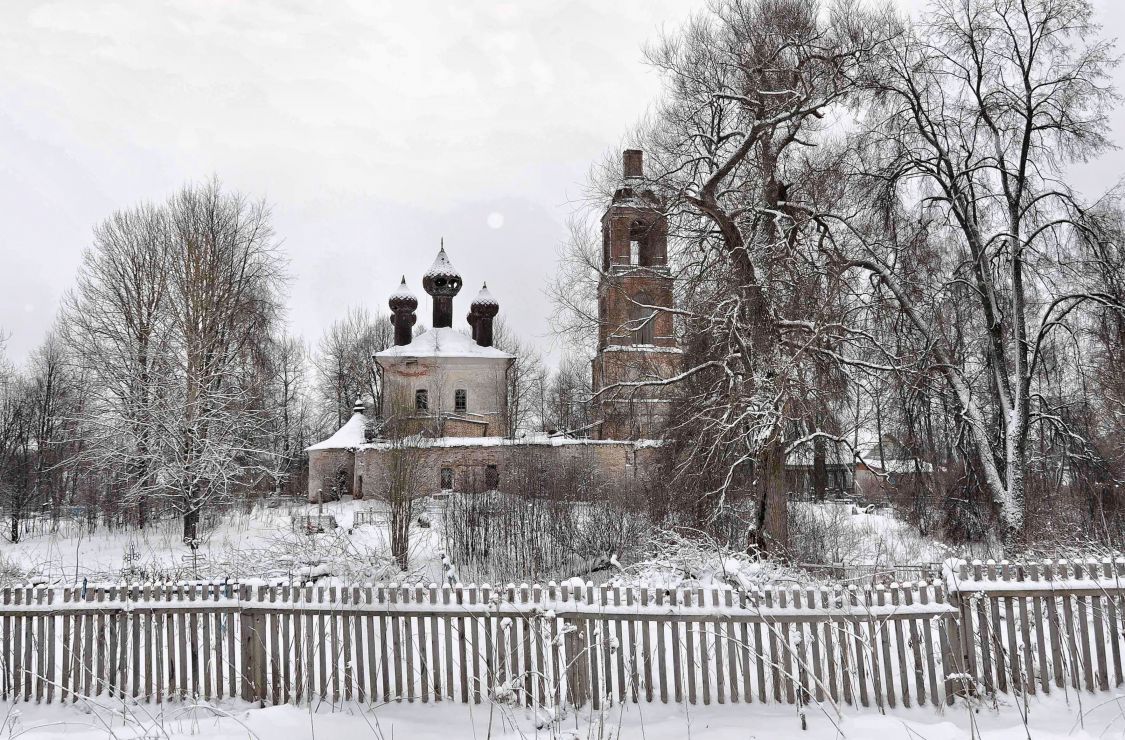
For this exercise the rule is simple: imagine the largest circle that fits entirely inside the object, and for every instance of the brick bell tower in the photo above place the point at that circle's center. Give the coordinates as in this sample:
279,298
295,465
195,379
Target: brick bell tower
636,340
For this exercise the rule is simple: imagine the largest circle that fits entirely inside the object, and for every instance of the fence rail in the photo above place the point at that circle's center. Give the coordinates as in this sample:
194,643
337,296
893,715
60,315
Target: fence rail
987,627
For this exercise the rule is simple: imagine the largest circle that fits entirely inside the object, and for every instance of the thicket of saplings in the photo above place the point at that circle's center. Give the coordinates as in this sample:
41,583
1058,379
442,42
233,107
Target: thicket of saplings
553,520
1067,512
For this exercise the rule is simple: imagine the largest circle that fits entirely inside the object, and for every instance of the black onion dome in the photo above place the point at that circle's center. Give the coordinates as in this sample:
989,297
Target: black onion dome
484,304
403,298
442,279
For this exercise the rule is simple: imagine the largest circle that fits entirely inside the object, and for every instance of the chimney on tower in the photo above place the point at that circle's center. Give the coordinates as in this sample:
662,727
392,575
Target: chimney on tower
634,163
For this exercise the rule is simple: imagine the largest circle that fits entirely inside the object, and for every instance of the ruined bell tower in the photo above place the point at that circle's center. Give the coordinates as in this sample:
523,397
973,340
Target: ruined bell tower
636,338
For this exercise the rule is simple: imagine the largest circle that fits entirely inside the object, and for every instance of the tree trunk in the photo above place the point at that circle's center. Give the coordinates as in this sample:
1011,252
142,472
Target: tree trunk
820,469
400,534
773,501
191,524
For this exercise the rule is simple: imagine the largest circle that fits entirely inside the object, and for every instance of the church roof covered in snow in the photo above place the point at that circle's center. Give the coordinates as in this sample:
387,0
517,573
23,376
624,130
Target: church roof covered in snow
443,342
347,437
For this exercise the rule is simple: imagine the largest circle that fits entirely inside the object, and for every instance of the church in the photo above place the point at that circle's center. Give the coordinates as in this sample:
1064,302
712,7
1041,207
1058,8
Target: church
444,391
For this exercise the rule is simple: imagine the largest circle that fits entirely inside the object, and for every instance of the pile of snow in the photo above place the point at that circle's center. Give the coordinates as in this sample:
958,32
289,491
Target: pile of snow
672,560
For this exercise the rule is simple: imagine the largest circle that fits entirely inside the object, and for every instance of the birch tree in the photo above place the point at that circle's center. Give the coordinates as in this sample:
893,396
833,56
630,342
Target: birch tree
224,280
116,327
980,109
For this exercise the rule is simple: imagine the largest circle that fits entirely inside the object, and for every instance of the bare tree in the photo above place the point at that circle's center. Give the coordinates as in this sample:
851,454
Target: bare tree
224,281
747,86
17,447
403,476
55,396
345,372
291,426
980,109
525,383
116,326
567,402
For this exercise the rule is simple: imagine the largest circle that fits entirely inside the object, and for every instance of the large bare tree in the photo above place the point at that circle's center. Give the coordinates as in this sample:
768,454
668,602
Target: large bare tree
170,328
345,370
748,85
970,225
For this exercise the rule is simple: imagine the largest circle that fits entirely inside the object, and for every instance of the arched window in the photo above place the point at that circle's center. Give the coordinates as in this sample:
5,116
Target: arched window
460,400
642,320
421,400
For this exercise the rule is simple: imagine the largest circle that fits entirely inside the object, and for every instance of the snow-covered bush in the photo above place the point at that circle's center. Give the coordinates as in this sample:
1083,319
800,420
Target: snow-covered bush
837,532
675,559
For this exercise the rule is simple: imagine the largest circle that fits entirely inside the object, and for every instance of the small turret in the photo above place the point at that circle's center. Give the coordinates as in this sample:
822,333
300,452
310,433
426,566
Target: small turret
481,313
443,282
402,304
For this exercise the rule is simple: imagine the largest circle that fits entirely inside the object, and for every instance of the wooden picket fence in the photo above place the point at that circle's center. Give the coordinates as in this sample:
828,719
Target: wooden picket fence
987,628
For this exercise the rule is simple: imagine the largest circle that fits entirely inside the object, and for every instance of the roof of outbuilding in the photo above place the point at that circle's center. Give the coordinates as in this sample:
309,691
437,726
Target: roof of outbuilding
347,437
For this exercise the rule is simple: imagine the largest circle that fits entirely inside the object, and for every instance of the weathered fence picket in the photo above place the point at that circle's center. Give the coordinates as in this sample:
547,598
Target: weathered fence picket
1034,627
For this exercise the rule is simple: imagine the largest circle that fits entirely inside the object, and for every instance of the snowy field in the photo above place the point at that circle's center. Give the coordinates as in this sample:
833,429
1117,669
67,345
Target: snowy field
1083,718
858,535
263,544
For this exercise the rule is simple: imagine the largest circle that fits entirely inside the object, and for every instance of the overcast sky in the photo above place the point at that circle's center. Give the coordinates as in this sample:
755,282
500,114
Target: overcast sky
372,128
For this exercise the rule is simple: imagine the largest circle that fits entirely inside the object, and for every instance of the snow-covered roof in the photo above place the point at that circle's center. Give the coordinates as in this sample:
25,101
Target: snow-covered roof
484,298
347,437
536,440
641,348
442,266
403,292
444,342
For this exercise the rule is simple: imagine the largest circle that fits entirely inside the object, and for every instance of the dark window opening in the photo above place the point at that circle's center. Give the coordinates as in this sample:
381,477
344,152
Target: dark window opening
492,477
421,400
447,479
638,244
460,399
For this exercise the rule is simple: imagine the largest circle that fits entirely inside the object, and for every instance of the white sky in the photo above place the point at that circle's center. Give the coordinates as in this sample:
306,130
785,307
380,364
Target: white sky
373,129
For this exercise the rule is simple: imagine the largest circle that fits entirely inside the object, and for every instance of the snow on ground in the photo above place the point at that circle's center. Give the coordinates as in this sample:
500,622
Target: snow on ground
1054,718
858,535
260,544
264,544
